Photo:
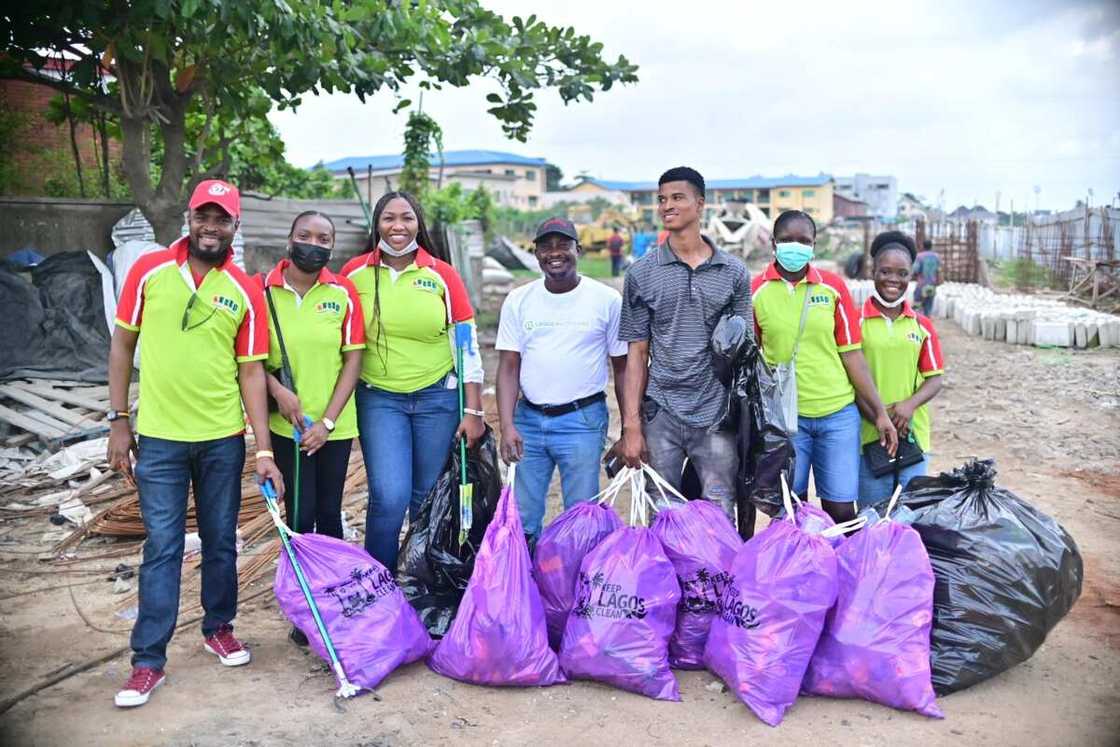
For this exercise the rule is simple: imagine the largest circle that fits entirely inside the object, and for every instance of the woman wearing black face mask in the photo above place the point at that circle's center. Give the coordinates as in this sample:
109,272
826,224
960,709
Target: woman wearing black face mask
320,322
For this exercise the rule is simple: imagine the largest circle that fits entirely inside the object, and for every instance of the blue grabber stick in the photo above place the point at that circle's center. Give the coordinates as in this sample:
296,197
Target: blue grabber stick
346,689
466,489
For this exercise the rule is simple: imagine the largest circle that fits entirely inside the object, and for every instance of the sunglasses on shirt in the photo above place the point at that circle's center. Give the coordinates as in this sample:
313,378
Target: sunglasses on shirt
185,326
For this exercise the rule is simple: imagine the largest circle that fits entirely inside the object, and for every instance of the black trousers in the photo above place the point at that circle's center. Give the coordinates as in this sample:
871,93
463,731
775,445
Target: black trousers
322,477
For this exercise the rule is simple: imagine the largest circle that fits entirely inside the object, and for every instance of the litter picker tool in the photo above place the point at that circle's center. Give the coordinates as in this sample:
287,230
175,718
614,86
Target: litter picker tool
297,434
346,689
466,489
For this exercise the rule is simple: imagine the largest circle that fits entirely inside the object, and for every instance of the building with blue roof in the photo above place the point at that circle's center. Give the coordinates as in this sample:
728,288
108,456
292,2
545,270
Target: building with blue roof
513,180
771,194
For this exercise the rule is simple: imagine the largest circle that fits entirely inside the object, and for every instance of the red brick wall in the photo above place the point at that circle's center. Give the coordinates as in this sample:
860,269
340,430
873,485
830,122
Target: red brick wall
38,150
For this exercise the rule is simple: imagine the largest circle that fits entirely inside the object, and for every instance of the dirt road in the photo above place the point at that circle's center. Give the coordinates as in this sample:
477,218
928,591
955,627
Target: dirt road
1051,419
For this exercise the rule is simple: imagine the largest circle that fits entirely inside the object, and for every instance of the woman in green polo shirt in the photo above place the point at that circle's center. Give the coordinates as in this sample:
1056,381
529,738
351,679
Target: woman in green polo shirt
831,369
319,318
904,356
408,401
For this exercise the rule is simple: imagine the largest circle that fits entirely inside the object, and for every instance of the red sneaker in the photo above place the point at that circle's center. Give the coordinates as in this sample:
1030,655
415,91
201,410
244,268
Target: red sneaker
139,687
228,649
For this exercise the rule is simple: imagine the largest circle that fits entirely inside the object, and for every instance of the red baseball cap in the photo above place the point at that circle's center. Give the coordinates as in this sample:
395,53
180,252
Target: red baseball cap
222,194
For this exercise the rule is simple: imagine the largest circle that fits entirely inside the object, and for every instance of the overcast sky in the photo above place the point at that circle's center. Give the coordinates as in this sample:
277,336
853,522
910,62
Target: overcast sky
966,97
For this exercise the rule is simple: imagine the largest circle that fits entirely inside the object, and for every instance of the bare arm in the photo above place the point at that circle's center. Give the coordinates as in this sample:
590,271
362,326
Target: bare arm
618,366
860,376
902,412
509,386
122,443
634,391
253,383
344,386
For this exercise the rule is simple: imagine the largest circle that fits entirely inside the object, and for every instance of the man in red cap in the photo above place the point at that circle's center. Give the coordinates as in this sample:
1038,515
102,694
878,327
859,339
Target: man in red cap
205,331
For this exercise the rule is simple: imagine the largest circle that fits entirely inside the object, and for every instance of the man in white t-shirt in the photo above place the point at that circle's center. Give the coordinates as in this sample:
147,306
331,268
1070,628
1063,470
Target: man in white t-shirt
555,339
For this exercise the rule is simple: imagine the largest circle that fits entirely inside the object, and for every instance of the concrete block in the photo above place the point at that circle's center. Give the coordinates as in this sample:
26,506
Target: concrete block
1079,335
1058,334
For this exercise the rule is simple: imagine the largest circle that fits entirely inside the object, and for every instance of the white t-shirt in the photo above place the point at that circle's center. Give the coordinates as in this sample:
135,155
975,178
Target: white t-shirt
563,338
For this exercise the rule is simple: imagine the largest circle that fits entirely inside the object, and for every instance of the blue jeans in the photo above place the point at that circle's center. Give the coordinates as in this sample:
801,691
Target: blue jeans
405,439
830,445
164,471
874,489
573,442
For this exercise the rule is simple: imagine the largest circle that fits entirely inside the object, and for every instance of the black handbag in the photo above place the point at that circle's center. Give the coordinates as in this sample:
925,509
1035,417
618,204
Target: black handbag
880,462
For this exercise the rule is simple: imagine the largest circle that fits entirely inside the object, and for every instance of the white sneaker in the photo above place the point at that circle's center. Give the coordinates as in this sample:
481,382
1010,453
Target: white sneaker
139,687
228,649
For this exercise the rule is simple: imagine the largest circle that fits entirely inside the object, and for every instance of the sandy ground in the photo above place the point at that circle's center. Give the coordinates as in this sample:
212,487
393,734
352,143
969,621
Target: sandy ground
1051,419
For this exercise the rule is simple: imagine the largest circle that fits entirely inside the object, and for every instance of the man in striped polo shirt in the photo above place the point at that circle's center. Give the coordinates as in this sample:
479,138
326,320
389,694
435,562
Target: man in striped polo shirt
205,331
672,299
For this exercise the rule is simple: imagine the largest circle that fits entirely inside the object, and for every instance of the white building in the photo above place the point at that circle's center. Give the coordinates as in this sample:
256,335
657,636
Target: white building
879,192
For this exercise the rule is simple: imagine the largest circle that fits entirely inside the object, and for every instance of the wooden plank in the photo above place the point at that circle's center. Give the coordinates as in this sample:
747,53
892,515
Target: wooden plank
55,410
47,420
31,425
60,395
21,440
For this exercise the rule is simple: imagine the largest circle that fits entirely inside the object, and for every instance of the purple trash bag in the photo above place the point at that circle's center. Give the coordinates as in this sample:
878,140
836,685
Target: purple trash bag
372,626
560,550
876,640
618,631
771,615
499,636
701,543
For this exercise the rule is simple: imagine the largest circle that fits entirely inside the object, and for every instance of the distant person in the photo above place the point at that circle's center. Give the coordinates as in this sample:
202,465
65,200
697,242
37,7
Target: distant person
557,339
318,317
204,325
927,273
614,246
904,356
672,299
806,313
408,401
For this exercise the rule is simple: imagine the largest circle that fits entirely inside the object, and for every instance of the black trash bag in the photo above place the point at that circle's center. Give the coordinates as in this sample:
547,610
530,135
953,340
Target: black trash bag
433,570
54,326
1005,572
765,448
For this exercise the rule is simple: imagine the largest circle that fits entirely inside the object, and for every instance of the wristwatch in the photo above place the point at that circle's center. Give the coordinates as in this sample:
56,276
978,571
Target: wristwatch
114,415
328,424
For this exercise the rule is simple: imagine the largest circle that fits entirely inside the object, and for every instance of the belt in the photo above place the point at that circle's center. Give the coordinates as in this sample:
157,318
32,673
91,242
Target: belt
554,410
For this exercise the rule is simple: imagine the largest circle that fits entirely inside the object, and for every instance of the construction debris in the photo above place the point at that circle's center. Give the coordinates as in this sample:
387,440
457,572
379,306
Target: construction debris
53,412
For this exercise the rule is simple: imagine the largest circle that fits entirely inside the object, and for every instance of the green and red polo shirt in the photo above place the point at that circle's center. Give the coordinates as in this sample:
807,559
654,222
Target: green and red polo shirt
192,337
326,322
409,317
901,355
831,328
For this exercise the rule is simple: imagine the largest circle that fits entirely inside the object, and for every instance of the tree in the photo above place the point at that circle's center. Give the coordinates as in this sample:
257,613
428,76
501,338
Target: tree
553,176
420,134
169,58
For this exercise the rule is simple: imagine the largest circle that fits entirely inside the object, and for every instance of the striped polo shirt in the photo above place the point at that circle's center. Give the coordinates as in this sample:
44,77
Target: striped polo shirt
831,328
676,308
192,339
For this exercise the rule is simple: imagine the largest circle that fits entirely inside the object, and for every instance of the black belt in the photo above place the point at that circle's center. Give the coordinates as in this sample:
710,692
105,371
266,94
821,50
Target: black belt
554,410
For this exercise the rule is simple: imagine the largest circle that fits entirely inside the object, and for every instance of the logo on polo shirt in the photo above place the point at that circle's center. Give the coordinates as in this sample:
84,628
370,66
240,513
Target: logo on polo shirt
328,307
226,303
426,284
820,299
914,337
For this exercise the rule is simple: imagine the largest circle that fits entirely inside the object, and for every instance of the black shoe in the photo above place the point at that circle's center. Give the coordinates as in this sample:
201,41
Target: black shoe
297,637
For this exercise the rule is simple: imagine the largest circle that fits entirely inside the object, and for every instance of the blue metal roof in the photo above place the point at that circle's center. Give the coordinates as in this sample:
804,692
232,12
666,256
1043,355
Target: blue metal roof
450,158
752,182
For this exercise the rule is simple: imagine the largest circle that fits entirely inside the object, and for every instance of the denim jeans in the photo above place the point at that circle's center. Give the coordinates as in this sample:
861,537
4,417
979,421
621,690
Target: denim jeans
164,471
712,453
874,489
405,441
830,445
573,442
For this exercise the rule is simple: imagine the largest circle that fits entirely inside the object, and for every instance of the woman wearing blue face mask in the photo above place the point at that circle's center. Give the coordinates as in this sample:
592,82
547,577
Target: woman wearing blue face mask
805,315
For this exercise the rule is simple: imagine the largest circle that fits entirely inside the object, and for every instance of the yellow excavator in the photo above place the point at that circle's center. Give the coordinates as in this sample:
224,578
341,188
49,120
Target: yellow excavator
593,234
